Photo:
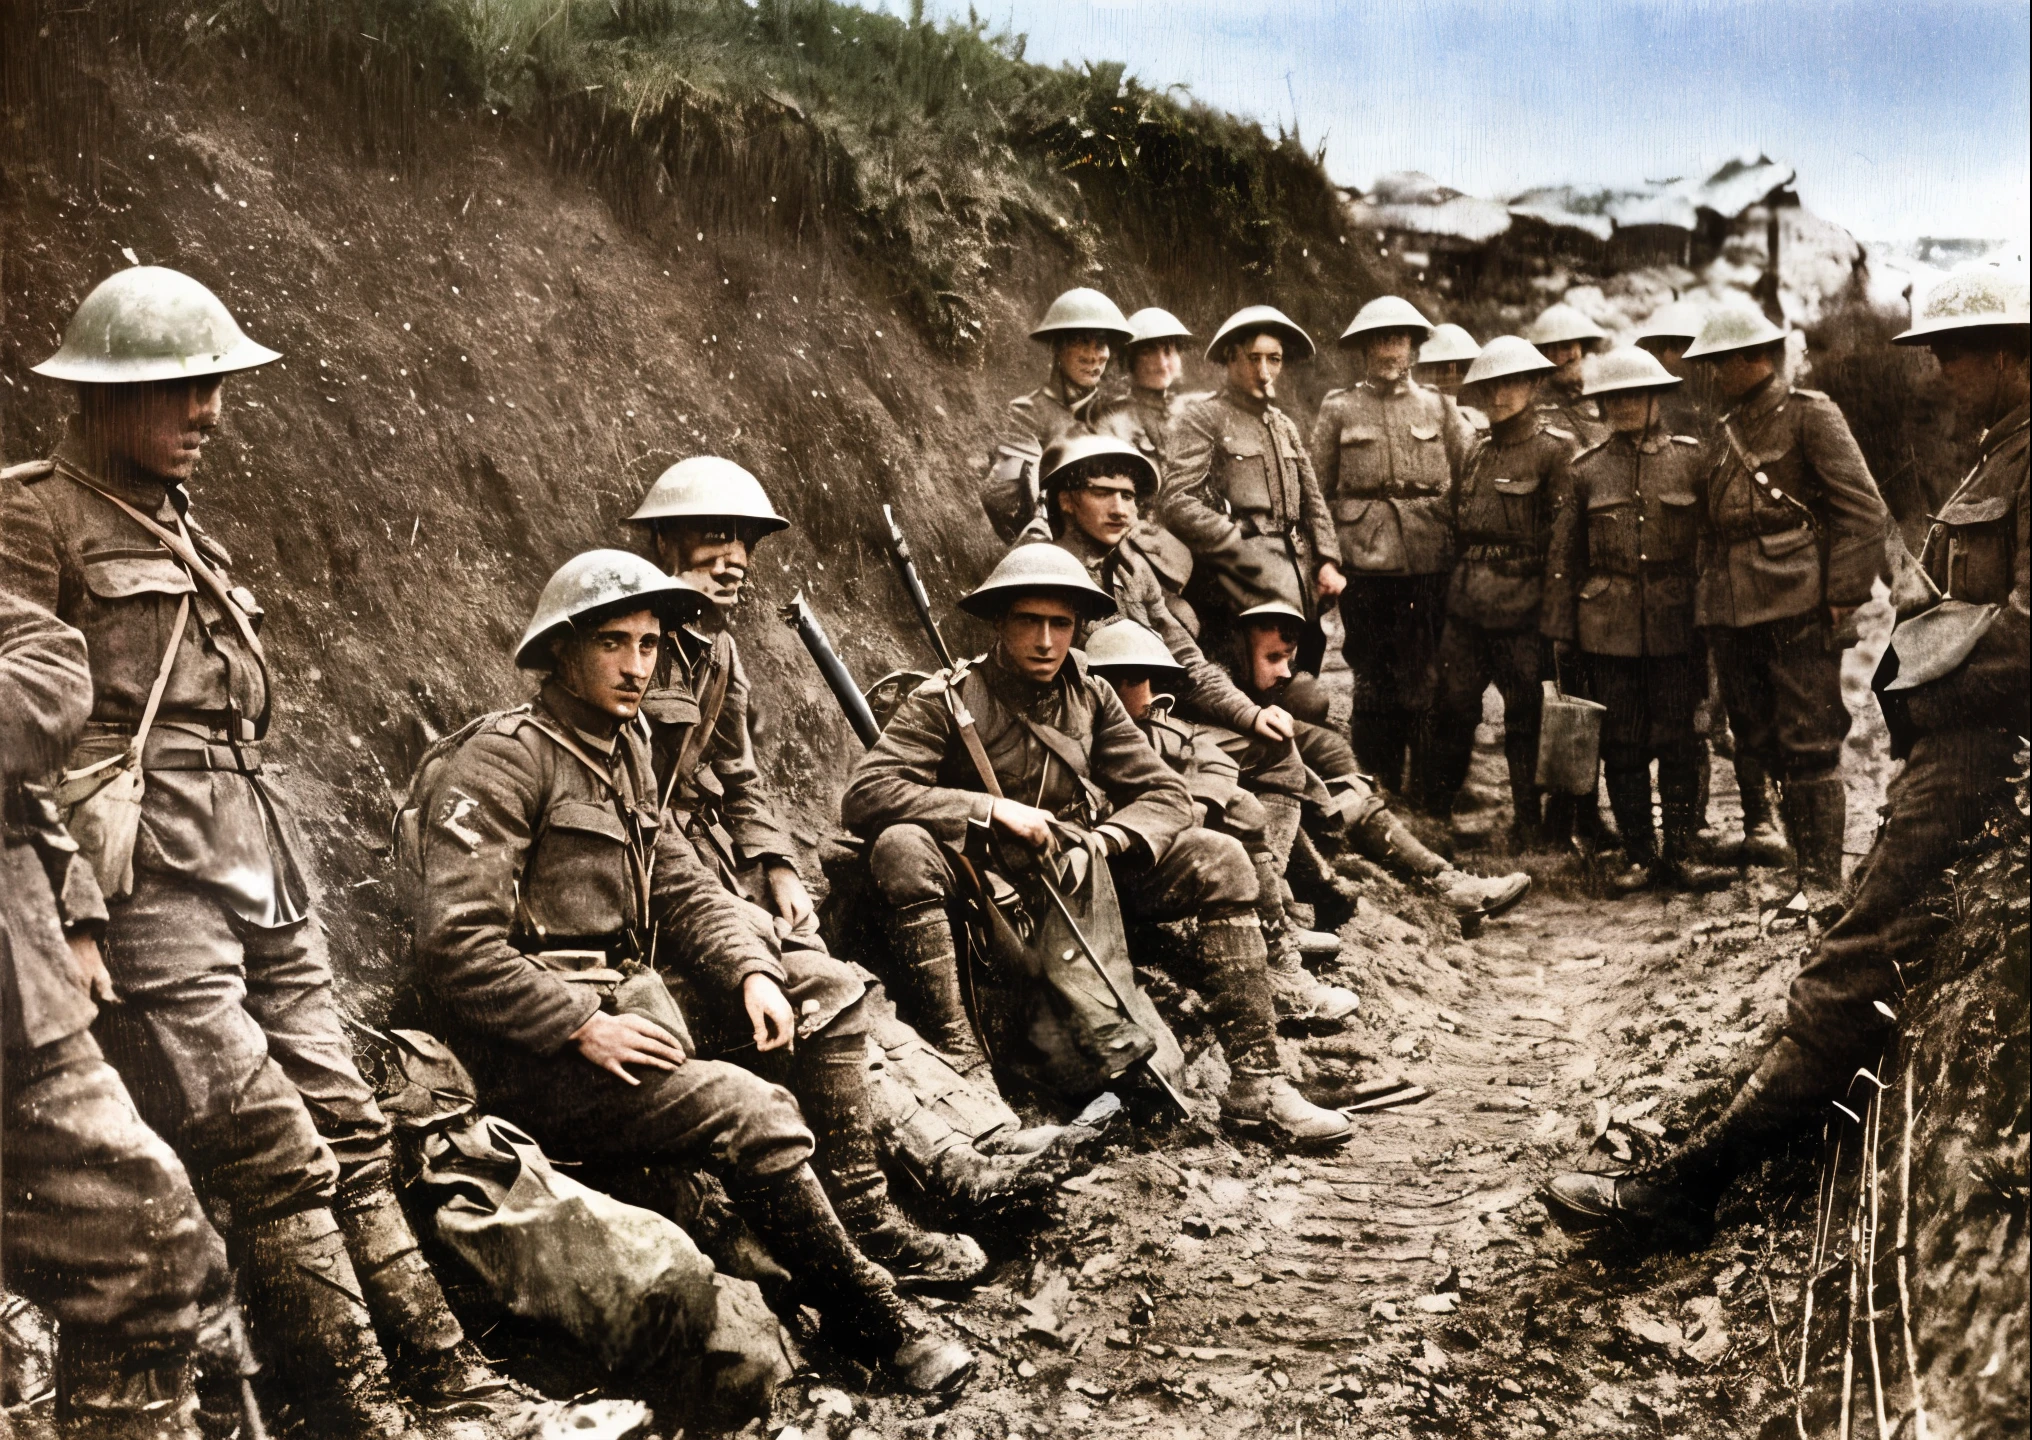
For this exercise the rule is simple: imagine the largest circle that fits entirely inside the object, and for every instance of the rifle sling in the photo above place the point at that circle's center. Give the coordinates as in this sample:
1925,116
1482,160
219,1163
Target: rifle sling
710,704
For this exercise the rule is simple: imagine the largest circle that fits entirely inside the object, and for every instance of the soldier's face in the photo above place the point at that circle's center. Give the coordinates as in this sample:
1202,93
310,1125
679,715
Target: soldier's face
1253,368
609,667
1083,358
1272,648
1157,365
1738,372
1387,355
159,427
1506,398
1136,694
1035,633
712,556
1565,356
1445,376
1104,508
1629,412
1976,377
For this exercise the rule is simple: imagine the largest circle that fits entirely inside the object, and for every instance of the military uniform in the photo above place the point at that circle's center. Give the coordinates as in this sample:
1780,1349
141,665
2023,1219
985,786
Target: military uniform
1388,457
1242,494
1503,520
1619,586
102,1229
1578,415
1050,412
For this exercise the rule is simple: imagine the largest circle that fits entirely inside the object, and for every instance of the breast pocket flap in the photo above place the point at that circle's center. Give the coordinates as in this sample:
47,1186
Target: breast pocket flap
1424,432
1522,485
119,576
588,819
1986,511
1360,435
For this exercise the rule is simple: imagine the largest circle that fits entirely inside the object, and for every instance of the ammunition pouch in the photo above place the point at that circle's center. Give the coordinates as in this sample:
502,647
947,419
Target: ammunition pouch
624,984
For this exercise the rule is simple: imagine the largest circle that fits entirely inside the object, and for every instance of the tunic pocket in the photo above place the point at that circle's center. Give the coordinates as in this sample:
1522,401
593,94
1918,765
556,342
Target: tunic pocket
1979,542
1362,461
1245,475
117,577
1675,541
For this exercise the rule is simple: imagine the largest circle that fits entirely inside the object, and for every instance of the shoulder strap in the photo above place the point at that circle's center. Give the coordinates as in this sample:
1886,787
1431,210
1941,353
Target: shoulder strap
710,703
970,735
572,748
134,749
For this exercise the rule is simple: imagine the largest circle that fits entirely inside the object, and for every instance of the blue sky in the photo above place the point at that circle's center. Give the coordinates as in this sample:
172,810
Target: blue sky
1903,119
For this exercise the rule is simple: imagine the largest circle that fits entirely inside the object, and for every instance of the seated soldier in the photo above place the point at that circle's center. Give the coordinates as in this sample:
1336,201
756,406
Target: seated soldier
705,514
1133,659
1060,737
1268,638
550,887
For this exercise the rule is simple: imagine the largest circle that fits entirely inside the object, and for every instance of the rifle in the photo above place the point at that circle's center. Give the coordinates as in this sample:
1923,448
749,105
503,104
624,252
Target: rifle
798,615
906,567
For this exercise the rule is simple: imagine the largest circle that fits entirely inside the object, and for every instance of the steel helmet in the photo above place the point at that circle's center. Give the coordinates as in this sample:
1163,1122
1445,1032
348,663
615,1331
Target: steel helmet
597,581
1676,320
1386,312
1150,324
1084,309
1064,457
1275,610
1626,369
1976,297
1038,569
1738,327
706,486
1448,345
1557,323
1127,644
1297,344
151,323
1504,356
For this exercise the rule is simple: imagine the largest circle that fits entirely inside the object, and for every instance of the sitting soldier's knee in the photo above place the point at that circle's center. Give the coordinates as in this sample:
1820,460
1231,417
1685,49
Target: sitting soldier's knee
908,866
1222,872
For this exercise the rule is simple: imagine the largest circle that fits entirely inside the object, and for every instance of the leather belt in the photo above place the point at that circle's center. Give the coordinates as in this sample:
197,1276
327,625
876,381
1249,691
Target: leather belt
1737,534
1505,550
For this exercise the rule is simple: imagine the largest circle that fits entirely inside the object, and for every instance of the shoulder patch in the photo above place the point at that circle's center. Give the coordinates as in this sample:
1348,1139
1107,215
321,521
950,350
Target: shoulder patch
1806,394
1559,434
1587,450
1336,391
29,471
1685,440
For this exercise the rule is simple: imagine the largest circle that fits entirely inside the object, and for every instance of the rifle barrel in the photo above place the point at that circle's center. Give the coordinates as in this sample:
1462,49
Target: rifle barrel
838,680
906,567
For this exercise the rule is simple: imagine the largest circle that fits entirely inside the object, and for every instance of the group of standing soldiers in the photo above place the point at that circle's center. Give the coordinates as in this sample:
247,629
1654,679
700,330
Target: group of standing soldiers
610,927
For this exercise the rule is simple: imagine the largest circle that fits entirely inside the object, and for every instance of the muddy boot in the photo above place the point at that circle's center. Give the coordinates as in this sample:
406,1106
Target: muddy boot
305,1305
1763,842
1385,839
111,1388
926,978
435,1365
1673,1200
1815,810
1630,798
1678,785
1527,825
1299,994
832,1086
1266,1100
863,1315
1280,840
1235,980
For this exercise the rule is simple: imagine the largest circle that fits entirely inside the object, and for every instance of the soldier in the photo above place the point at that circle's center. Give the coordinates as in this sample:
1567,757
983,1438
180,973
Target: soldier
1267,641
1092,484
1443,361
1242,494
230,1033
1619,595
1084,328
1059,737
101,1227
1954,686
1388,451
1566,337
1153,362
704,517
552,892
1503,523
1793,541
1668,334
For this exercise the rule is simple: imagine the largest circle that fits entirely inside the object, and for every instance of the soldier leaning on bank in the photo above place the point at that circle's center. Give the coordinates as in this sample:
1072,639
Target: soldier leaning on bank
230,1034
1964,639
101,1227
1619,597
1243,496
1084,329
1502,520
552,892
1793,538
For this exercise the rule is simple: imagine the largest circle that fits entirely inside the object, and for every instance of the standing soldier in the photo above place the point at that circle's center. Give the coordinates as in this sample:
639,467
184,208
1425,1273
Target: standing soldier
1794,539
100,1224
1388,451
1668,334
1241,492
704,516
229,1029
1059,737
1503,524
1954,686
1566,337
1619,590
1443,360
553,890
1084,328
1143,418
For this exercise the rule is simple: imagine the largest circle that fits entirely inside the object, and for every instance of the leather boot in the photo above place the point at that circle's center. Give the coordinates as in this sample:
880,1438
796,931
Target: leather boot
1678,792
1763,841
1234,980
1630,800
428,1346
863,1314
1388,841
109,1388
1815,809
926,978
1674,1199
1299,995
832,1086
306,1305
1527,825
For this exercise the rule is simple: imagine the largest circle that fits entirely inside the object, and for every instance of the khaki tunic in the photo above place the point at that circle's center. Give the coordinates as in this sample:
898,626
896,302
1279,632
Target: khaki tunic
1503,520
1791,518
1621,562
1387,457
1575,414
1010,492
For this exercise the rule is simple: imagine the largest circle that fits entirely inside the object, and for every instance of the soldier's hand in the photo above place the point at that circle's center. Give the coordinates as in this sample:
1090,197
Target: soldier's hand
1026,822
787,894
1330,582
769,1012
1275,723
615,1041
91,967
